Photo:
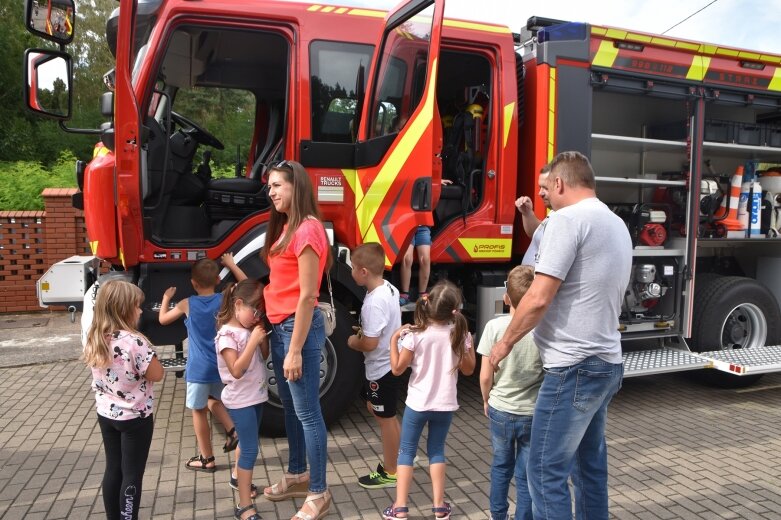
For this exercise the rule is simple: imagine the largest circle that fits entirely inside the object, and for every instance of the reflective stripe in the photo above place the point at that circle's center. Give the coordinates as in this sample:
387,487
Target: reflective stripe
775,83
551,113
509,110
698,68
606,54
477,26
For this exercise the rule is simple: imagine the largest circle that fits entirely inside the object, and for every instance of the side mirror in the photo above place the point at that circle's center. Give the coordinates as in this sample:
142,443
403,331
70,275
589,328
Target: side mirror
48,80
51,19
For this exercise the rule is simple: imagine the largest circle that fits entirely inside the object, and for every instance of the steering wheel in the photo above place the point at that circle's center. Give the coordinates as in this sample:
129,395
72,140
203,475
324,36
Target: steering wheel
197,132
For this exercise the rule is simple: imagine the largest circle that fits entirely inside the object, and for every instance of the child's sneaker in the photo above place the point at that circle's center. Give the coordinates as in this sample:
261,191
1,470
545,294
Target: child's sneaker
403,299
377,479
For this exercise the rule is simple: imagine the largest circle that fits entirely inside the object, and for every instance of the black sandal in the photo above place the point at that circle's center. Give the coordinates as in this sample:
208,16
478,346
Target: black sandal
241,510
253,489
232,442
203,461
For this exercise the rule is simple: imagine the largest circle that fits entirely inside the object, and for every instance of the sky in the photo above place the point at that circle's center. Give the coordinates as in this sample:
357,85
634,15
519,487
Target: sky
749,24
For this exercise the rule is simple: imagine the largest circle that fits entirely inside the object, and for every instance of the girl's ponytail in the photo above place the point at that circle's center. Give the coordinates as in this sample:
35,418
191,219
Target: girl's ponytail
458,336
422,314
225,313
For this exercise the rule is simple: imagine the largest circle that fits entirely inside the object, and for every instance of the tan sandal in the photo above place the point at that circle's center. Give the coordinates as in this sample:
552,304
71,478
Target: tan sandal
318,512
290,486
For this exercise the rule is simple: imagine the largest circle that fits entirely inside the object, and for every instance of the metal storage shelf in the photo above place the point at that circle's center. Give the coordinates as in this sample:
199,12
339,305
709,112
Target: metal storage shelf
637,181
658,252
622,143
740,150
719,242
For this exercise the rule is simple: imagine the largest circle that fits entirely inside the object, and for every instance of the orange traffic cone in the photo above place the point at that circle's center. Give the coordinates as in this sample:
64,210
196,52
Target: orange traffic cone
728,218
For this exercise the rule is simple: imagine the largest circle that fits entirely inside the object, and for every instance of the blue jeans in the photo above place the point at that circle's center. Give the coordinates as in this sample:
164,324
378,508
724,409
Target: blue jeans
411,429
510,436
247,423
306,435
568,437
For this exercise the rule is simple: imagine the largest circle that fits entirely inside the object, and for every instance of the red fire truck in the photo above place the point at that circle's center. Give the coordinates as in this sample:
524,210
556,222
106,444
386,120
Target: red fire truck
382,107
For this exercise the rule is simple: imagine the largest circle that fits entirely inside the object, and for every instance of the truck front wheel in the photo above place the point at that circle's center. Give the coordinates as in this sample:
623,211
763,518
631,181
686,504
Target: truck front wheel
341,376
732,312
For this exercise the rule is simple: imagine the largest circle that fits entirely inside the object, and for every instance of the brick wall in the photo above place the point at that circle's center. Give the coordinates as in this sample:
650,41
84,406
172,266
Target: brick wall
31,241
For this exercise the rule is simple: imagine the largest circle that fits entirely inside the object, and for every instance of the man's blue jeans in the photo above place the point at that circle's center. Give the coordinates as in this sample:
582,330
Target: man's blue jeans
510,436
568,438
304,424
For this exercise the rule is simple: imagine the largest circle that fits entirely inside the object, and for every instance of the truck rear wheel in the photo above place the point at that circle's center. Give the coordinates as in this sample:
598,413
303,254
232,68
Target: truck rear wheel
732,312
341,376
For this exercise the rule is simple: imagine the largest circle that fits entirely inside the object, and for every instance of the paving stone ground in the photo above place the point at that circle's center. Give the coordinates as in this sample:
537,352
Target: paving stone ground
678,450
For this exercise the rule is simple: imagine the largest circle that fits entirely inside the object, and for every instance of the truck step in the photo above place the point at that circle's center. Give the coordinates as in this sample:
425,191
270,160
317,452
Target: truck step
173,364
758,360
661,361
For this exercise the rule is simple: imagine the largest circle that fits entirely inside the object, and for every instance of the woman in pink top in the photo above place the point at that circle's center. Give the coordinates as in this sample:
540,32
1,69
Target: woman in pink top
124,366
244,375
436,347
297,254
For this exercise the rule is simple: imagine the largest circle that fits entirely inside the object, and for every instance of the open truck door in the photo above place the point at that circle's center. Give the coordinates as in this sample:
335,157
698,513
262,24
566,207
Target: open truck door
127,141
397,158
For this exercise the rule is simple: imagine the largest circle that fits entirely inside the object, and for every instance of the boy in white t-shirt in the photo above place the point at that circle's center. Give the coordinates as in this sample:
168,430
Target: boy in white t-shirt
380,318
509,397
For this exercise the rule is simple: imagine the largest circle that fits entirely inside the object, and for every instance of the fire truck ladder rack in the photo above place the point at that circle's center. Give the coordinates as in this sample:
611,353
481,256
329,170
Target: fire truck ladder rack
741,362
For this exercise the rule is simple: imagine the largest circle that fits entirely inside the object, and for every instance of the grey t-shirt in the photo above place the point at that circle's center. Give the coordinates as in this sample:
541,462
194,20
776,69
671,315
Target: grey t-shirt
530,257
587,247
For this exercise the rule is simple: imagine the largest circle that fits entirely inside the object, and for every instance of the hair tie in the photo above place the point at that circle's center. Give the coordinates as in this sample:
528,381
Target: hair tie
455,311
425,299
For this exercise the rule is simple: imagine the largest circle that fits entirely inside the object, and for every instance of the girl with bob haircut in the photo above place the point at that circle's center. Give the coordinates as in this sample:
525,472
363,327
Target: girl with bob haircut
124,367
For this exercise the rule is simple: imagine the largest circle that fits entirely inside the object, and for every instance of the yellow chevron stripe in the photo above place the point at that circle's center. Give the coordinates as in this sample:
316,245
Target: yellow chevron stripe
698,68
775,83
93,246
367,208
314,8
341,10
606,54
509,110
477,26
638,37
702,48
367,12
328,9
551,113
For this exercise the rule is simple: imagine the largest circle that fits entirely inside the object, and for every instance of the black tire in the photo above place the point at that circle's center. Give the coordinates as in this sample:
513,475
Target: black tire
732,312
340,381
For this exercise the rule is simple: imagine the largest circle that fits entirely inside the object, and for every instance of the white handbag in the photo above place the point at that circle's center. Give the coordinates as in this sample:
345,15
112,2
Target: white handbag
328,310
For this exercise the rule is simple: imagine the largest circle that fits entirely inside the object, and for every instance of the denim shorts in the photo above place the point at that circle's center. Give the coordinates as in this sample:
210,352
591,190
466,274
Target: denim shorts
198,394
422,236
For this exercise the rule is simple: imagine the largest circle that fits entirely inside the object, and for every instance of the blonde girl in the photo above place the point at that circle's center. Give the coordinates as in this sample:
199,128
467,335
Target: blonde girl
239,338
436,347
124,366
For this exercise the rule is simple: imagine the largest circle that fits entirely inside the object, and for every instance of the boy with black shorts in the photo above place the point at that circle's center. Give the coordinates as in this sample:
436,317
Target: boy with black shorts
380,318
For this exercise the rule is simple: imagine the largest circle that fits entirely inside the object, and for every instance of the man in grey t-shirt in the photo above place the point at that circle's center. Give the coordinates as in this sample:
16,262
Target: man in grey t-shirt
533,226
581,273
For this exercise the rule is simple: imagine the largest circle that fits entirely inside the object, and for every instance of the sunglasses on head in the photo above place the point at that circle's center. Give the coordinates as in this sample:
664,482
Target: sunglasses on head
281,164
